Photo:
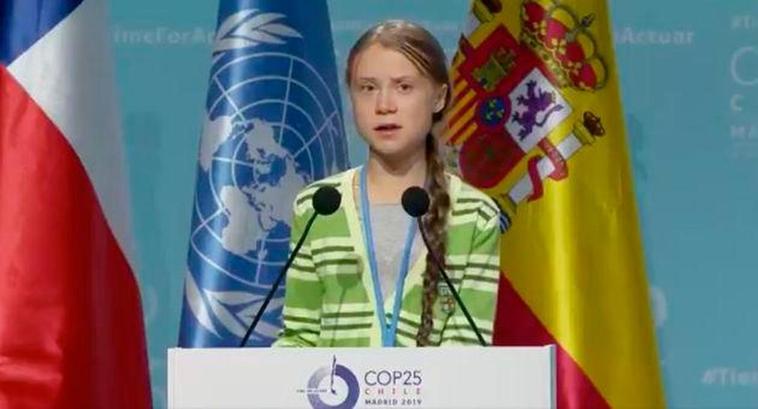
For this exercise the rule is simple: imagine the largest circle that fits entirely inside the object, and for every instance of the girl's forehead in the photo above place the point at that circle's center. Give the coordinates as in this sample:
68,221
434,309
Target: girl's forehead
378,61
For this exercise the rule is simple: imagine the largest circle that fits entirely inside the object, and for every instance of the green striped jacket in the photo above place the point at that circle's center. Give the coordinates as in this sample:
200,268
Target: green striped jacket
329,297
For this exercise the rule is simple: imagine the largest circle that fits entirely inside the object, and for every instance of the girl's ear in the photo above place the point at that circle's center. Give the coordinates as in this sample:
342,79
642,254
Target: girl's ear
439,103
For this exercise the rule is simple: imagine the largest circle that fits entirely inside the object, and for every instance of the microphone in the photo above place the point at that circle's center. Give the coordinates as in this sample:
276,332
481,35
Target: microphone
415,202
325,201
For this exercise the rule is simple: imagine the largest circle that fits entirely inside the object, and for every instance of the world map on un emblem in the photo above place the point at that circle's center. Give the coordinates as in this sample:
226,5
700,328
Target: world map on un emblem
273,125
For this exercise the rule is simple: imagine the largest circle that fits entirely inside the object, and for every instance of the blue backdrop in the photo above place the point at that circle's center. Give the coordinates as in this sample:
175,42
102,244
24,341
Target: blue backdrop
689,76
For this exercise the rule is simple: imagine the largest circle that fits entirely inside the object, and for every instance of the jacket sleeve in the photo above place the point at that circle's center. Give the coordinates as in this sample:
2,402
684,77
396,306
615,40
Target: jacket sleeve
303,290
478,288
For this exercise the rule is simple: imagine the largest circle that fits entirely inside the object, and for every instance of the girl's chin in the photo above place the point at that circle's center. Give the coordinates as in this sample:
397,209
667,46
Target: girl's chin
396,151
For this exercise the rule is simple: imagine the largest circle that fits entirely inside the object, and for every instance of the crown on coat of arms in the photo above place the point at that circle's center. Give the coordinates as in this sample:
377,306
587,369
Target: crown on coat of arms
564,43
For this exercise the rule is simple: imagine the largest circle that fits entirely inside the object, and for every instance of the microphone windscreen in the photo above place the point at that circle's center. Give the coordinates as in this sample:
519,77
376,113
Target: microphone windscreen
415,201
326,200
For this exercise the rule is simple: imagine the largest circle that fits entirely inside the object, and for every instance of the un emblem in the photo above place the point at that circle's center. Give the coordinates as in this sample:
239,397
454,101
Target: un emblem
273,125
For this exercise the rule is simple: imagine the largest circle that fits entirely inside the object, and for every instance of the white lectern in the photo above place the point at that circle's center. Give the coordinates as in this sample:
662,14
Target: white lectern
322,378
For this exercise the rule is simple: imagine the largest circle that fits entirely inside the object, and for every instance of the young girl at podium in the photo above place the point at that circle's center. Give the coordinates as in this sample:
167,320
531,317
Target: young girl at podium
363,276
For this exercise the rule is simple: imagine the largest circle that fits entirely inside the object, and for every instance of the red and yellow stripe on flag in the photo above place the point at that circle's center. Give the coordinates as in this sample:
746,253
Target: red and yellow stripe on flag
537,124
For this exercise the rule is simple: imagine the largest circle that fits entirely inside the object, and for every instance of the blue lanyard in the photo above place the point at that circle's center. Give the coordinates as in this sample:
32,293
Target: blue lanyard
389,329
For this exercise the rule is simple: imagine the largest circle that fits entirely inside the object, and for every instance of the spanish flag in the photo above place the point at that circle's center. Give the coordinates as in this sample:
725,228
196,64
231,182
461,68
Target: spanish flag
537,123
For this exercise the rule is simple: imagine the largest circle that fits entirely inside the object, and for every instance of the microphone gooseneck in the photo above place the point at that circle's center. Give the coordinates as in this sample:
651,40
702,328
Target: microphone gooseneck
415,202
325,201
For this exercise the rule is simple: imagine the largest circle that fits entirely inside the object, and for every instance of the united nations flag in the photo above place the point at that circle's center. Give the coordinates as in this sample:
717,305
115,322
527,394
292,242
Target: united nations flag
273,124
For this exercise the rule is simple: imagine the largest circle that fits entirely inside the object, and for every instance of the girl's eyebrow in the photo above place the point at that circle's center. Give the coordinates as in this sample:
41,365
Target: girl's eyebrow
393,79
367,79
403,78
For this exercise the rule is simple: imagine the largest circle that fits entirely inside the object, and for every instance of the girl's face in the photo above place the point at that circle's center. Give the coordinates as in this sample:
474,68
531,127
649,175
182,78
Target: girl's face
393,101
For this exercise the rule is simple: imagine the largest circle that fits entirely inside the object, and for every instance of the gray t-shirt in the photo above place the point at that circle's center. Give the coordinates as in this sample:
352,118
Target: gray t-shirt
389,226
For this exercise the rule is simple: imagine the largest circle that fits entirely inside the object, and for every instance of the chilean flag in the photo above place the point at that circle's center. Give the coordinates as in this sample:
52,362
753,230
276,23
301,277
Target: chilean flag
71,330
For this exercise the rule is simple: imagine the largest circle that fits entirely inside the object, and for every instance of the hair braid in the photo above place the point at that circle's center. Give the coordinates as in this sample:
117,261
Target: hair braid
435,223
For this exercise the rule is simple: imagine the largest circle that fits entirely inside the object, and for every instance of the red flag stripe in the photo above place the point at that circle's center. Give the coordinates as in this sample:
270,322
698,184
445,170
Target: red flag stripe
516,325
71,331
